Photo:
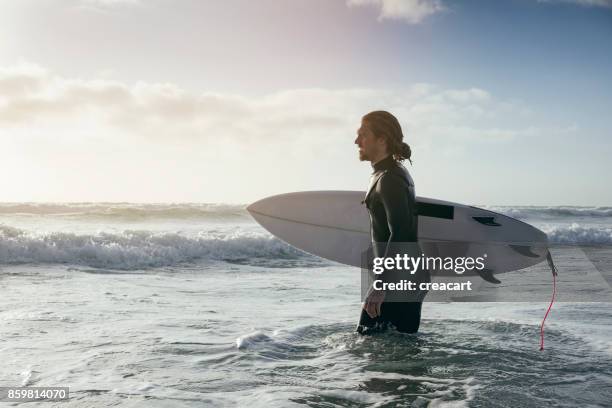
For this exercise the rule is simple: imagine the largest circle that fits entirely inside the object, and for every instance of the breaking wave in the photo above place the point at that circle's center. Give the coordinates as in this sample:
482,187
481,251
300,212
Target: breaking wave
553,212
125,211
576,234
132,250
131,211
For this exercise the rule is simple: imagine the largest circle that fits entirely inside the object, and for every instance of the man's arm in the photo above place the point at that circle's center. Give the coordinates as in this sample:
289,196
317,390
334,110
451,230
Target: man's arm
398,204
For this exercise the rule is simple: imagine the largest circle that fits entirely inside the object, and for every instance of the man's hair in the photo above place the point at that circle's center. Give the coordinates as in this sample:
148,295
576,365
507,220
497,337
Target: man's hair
384,124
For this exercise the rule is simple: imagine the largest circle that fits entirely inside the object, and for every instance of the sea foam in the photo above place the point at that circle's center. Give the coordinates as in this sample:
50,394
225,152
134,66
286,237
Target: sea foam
131,250
552,212
577,234
125,211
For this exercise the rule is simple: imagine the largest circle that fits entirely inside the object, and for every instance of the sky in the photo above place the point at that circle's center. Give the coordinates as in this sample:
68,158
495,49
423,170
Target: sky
503,103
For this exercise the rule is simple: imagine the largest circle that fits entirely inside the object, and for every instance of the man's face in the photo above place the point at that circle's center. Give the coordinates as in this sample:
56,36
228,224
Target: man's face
370,147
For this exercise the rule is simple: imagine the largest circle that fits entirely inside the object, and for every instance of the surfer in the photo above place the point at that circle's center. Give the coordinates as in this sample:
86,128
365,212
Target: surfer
390,201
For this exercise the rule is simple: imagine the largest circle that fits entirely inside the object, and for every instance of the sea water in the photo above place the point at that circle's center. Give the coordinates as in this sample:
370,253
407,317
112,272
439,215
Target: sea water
186,305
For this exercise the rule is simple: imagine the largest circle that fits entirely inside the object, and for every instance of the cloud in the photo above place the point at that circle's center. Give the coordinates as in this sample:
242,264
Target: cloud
21,79
415,11
96,139
35,101
411,11
105,6
588,3
110,3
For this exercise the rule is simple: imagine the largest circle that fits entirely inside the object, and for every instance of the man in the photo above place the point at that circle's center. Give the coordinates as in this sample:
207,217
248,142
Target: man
390,201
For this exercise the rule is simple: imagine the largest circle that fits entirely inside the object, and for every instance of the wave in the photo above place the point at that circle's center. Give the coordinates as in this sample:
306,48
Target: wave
550,212
131,211
125,211
141,249
577,234
131,250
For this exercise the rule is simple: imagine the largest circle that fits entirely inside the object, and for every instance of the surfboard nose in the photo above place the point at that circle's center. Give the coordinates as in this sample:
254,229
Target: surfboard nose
252,207
259,206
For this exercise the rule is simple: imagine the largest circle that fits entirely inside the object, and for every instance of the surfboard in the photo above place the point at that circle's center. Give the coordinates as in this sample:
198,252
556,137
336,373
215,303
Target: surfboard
335,225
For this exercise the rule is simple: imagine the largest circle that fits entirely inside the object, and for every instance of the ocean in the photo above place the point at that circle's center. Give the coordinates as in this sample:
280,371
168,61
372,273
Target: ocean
190,305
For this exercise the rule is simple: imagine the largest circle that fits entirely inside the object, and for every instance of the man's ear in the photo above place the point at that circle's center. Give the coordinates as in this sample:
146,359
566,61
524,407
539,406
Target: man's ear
381,141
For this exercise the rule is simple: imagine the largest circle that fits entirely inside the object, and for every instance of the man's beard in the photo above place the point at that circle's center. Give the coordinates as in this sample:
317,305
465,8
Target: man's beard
363,156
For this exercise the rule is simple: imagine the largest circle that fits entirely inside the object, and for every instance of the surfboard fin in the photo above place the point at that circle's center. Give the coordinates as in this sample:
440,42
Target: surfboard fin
551,264
487,274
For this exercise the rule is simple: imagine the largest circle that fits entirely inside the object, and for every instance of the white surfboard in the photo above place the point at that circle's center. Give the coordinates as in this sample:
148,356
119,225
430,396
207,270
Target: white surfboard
335,225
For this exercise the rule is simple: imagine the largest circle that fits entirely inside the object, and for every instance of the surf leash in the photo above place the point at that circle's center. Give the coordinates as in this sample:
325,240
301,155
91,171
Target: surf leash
554,274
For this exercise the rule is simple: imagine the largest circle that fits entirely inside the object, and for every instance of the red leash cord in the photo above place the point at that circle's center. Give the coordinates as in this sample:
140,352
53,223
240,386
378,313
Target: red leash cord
554,273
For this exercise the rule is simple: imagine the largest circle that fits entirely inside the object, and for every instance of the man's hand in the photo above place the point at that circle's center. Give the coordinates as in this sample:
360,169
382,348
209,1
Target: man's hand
373,301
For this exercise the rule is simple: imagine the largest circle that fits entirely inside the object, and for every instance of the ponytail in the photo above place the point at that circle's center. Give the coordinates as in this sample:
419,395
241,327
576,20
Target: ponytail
404,153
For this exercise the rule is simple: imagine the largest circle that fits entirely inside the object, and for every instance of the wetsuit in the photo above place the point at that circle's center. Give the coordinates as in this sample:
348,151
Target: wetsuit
392,207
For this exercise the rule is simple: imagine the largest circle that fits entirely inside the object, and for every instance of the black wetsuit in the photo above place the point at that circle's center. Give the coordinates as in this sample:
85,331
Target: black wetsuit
392,206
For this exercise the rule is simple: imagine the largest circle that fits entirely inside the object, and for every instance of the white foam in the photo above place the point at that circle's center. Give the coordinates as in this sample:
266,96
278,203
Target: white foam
251,339
129,250
577,234
445,388
469,387
28,377
548,212
124,211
